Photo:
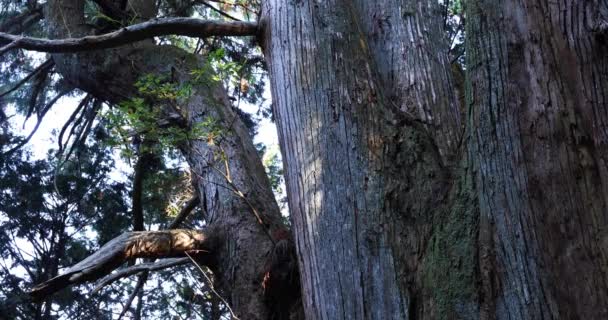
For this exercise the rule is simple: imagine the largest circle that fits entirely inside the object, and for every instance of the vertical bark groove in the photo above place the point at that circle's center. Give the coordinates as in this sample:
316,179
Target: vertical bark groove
364,176
537,93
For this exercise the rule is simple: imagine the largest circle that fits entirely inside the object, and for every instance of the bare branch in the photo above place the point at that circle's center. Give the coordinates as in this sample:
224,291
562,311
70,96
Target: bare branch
141,168
85,101
10,46
16,24
141,280
38,122
149,267
222,13
111,9
44,67
191,27
183,214
130,245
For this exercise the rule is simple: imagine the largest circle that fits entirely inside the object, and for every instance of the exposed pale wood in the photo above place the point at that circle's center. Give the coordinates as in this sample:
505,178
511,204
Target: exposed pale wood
130,245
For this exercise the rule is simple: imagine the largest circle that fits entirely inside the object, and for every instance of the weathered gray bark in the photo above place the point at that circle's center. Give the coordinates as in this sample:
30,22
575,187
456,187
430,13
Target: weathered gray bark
361,92
538,98
396,216
387,223
244,243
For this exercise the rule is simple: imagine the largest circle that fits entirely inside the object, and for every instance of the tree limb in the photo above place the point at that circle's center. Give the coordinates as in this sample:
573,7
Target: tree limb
191,27
44,67
184,212
15,24
148,267
130,245
152,266
141,280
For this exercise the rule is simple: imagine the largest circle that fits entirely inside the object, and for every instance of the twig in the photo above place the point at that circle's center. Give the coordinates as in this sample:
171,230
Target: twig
40,118
212,287
219,11
141,280
142,267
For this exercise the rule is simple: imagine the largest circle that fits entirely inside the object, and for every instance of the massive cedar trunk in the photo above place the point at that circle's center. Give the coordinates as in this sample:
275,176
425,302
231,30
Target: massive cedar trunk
538,98
241,212
368,124
390,219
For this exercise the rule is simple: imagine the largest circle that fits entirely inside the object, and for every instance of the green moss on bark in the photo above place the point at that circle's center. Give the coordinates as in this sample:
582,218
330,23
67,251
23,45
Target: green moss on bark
449,272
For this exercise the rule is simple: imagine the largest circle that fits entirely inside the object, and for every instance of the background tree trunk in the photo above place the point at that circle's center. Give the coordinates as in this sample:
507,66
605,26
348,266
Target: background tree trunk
239,261
538,88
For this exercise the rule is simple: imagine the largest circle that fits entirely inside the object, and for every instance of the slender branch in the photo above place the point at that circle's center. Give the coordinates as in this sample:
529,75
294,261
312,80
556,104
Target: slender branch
142,267
212,287
191,27
38,122
130,245
184,212
12,45
81,134
37,91
141,280
141,165
222,13
12,24
44,67
111,9
85,101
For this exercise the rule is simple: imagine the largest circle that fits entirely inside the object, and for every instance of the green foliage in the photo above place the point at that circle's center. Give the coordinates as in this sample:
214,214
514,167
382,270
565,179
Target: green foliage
41,230
274,170
144,115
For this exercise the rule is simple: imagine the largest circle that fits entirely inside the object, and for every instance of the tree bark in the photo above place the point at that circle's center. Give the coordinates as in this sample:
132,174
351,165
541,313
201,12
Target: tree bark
398,213
365,178
538,88
229,191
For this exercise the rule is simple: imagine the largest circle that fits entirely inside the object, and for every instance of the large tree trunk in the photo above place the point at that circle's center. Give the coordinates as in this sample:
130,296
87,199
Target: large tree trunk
391,221
368,124
241,212
538,98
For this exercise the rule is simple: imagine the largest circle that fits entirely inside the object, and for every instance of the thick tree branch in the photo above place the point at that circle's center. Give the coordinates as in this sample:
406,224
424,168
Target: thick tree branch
191,27
153,266
130,245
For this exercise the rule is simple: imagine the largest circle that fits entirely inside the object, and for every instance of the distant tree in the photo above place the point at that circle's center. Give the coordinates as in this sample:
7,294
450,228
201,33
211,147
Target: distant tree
43,231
